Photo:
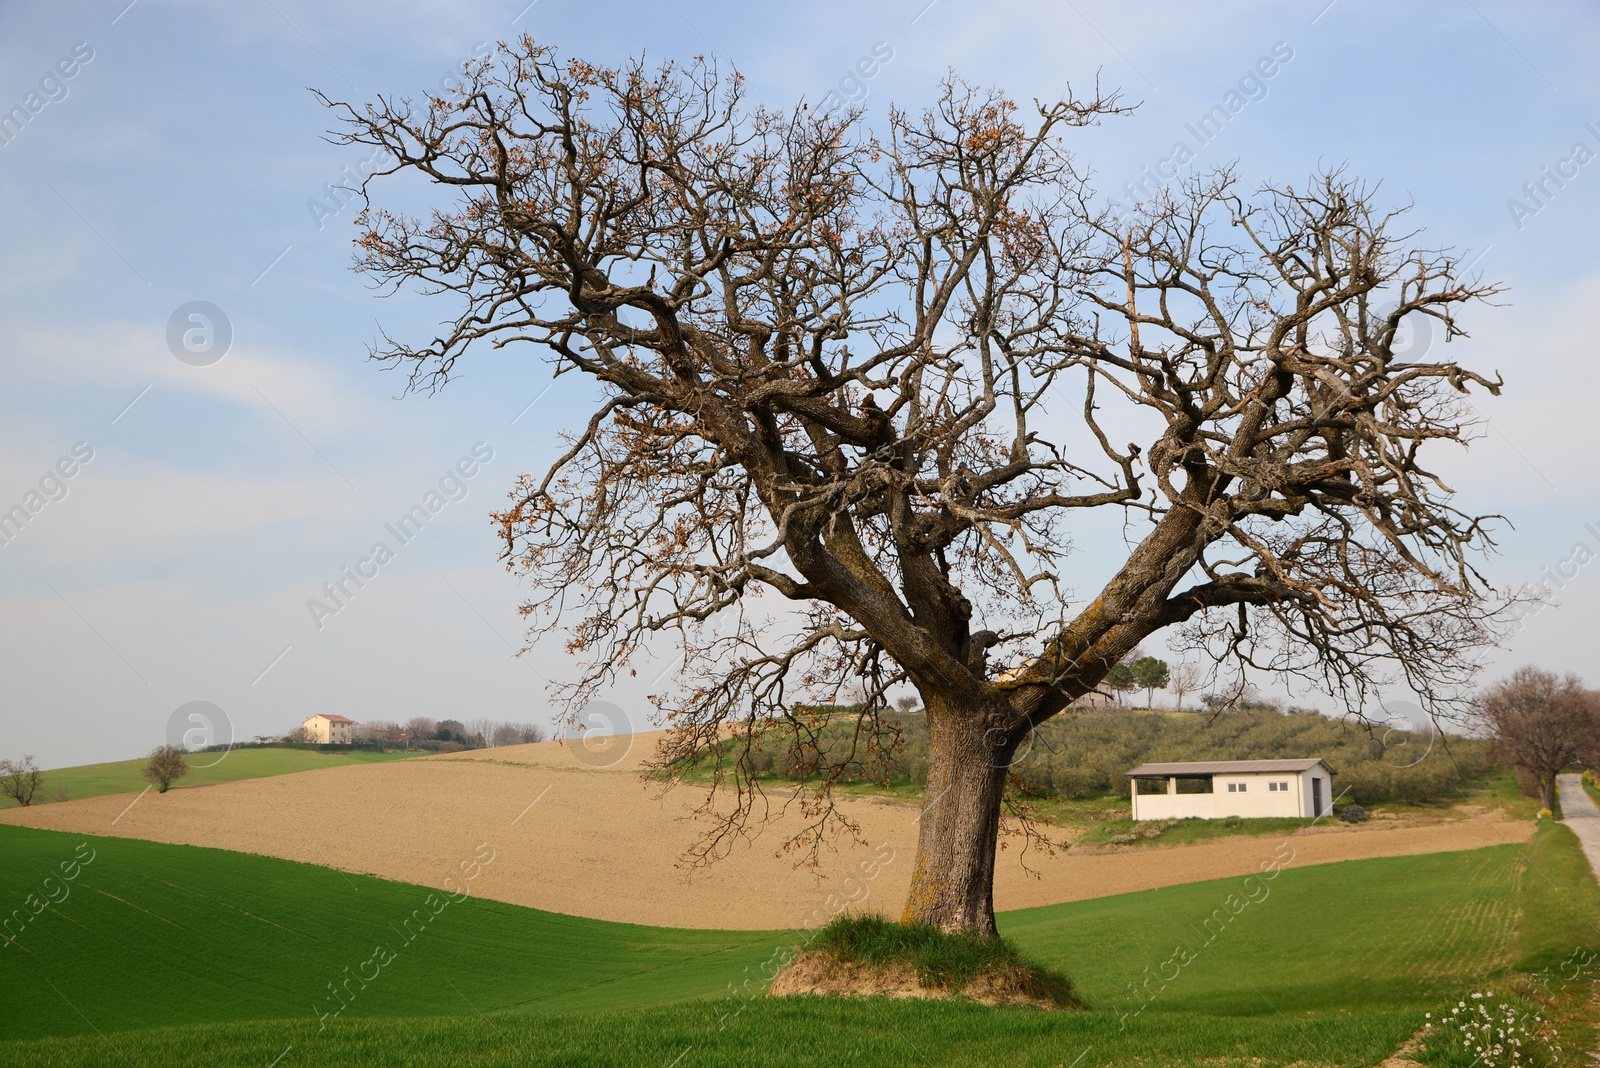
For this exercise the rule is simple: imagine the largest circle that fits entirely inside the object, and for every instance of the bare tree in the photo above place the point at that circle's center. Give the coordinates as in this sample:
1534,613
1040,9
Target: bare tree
827,362
165,767
375,729
20,779
1540,723
1185,678
517,734
420,727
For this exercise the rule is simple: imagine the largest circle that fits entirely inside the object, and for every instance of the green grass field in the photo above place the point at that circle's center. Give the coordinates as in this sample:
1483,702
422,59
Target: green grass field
120,776
1560,902
161,934
176,955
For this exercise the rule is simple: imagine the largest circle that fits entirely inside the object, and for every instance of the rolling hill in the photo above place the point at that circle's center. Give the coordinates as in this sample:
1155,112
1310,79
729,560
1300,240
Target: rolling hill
182,955
123,776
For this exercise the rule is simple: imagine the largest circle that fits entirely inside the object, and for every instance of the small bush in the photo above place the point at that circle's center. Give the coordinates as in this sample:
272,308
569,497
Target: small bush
1353,814
165,767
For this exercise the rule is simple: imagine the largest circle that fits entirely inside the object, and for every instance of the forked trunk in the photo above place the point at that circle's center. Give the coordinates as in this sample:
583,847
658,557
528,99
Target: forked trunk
952,884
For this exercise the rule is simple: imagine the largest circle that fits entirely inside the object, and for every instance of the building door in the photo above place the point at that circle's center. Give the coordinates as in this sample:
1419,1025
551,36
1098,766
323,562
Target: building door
1316,797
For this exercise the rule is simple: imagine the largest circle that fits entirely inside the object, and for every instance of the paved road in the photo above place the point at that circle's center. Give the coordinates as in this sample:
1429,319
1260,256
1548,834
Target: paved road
1578,811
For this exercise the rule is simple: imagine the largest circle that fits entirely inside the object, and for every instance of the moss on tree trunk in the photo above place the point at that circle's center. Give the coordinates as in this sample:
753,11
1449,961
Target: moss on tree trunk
952,883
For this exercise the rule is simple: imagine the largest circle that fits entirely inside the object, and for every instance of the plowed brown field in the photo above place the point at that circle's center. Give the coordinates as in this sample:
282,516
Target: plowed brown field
600,842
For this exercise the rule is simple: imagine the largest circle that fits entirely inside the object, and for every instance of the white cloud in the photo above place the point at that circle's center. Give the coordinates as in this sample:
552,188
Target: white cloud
128,355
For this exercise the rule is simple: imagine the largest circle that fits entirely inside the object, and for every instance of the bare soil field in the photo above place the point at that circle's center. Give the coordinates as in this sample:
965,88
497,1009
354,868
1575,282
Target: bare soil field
574,838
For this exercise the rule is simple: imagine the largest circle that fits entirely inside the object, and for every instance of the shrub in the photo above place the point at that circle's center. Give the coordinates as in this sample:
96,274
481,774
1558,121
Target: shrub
1353,814
166,766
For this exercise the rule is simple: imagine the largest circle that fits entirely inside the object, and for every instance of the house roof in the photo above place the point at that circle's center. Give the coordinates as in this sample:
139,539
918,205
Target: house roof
1227,767
330,719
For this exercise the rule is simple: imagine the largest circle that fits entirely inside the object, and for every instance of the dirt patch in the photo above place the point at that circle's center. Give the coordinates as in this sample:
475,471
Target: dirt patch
824,974
1402,1057
573,837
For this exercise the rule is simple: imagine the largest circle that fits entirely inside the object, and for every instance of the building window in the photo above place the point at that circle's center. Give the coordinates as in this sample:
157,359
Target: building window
1236,787
1279,787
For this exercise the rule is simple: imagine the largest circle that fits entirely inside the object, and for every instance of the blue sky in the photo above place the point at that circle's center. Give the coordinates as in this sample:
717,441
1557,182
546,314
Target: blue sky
179,163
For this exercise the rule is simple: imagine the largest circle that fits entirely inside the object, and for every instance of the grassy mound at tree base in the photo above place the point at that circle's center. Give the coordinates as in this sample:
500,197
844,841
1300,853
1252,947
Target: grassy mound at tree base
870,955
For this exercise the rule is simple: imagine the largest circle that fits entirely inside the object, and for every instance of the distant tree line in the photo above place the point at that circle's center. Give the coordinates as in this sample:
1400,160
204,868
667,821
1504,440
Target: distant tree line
427,733
452,735
1534,722
1084,754
1138,671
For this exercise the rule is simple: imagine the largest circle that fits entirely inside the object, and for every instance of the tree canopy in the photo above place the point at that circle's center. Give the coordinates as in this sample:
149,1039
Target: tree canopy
1541,723
166,766
834,370
1149,673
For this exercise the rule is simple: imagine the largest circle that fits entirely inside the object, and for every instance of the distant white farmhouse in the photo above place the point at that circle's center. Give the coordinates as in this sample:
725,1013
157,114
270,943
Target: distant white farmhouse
329,730
1233,788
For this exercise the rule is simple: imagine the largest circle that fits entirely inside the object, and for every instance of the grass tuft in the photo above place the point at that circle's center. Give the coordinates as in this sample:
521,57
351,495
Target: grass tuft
940,960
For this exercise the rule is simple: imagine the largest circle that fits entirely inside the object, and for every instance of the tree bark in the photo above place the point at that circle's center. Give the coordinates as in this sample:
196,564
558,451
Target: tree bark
1547,790
952,884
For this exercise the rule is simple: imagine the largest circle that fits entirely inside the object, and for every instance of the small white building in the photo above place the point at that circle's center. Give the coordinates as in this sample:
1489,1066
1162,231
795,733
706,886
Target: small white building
329,730
1215,788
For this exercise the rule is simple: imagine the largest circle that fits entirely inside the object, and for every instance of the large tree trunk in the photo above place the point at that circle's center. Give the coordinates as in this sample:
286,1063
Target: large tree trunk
1547,790
952,884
